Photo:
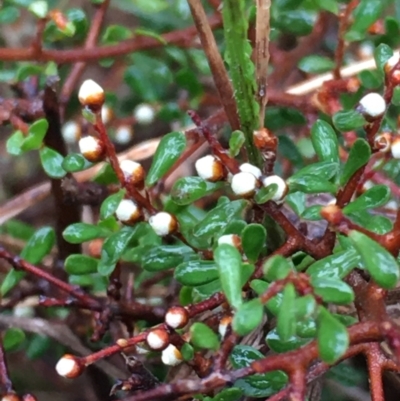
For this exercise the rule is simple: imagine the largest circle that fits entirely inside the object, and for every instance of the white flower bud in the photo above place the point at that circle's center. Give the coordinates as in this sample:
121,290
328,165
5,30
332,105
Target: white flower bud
133,171
383,142
177,317
157,339
106,114
372,106
123,134
128,212
68,366
144,114
244,184
392,205
209,168
171,356
249,168
223,325
91,148
230,239
282,187
163,223
395,148
91,95
390,64
10,397
71,132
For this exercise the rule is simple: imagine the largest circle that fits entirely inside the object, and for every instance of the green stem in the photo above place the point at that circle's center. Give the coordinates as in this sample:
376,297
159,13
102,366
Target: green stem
242,72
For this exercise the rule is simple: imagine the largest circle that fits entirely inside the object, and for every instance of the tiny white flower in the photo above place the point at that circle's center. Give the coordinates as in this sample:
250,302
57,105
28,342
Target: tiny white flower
230,239
171,356
282,186
392,205
68,367
249,168
127,211
123,134
144,114
176,317
71,132
223,325
209,168
132,170
91,94
390,64
157,339
162,223
244,184
395,148
372,105
106,114
91,148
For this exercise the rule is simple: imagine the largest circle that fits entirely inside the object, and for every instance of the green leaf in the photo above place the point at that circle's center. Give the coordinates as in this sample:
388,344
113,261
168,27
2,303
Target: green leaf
325,170
155,258
217,219
113,248
152,7
203,337
37,132
187,352
311,184
254,238
115,34
312,213
81,232
328,5
80,264
348,120
286,323
276,343
52,163
359,156
229,394
316,64
332,337
236,141
374,197
382,54
12,278
333,290
276,268
377,260
168,151
186,190
75,162
258,385
265,194
8,15
39,245
298,22
27,70
229,262
14,143
325,142
247,317
13,337
110,204
196,272
366,13
338,265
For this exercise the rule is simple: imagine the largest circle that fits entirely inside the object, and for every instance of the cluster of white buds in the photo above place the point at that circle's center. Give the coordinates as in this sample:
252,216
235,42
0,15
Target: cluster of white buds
106,114
223,325
171,356
282,190
249,168
92,148
69,366
163,223
395,147
123,134
231,239
210,168
71,132
144,114
157,339
383,142
176,317
372,106
133,171
128,212
91,95
391,63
